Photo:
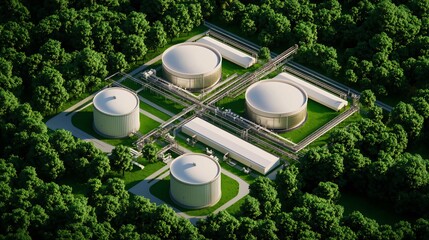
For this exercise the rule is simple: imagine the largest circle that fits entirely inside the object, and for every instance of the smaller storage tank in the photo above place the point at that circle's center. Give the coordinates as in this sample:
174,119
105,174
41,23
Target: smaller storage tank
195,181
276,104
191,65
116,112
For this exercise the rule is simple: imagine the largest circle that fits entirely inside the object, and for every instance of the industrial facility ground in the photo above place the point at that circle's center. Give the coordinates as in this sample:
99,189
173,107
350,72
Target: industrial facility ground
156,110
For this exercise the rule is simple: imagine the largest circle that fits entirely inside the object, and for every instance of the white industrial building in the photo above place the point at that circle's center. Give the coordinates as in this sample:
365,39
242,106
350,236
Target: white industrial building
116,112
315,93
238,149
195,181
229,53
193,66
276,104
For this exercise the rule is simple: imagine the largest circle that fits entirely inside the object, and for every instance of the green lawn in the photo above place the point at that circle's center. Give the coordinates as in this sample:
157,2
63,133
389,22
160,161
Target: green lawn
161,101
379,211
234,209
147,124
84,120
229,68
154,111
229,190
131,84
137,175
318,115
322,140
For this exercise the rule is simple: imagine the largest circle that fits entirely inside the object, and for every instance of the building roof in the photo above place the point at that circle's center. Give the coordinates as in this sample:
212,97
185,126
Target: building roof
195,168
276,96
315,93
116,101
231,54
191,58
248,152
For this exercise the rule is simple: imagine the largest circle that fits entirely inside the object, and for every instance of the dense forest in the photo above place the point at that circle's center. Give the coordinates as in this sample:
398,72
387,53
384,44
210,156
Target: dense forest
56,51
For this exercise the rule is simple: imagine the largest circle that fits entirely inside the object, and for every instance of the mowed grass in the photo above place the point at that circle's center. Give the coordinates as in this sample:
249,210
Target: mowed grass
322,140
229,188
379,211
318,115
154,111
84,121
131,84
161,101
229,68
137,175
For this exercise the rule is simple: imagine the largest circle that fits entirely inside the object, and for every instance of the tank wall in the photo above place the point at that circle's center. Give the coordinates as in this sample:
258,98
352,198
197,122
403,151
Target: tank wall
193,82
195,196
116,126
277,122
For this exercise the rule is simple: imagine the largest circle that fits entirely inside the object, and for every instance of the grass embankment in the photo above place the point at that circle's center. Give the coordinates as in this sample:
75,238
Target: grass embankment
229,188
84,121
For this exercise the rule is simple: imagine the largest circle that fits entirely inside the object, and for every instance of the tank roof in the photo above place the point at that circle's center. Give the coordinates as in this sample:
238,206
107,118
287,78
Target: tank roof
195,168
116,101
191,58
276,96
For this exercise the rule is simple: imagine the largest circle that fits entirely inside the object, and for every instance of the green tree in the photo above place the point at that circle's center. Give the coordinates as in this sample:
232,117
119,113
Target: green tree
49,92
171,27
136,24
264,191
265,53
116,62
134,47
328,191
250,207
150,151
367,98
7,80
157,37
219,226
121,159
405,115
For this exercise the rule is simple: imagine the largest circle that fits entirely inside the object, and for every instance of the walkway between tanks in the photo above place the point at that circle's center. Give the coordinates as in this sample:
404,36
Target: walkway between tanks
143,189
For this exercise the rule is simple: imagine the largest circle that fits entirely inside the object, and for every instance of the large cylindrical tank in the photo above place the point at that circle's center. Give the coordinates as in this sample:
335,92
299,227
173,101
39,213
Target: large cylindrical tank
116,112
276,104
193,66
195,181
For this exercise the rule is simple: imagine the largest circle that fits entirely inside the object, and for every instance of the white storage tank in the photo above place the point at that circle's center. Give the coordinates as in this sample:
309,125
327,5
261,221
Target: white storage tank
195,181
276,104
116,112
193,66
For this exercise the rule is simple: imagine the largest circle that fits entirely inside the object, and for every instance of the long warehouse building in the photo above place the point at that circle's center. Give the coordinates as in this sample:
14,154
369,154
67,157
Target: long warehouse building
224,142
229,53
315,93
